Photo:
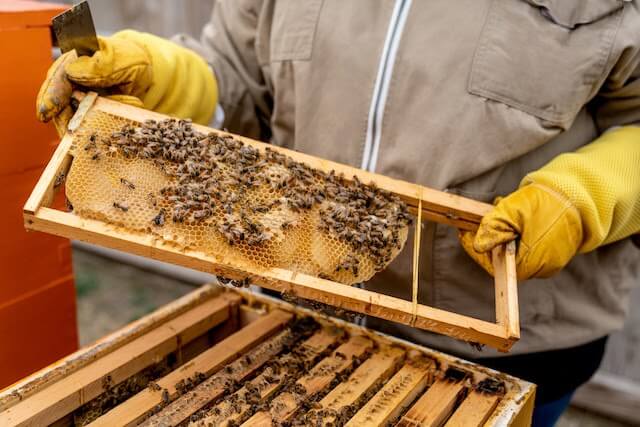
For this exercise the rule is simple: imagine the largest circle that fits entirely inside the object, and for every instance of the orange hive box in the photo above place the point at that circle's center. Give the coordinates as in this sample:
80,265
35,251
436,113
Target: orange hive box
37,298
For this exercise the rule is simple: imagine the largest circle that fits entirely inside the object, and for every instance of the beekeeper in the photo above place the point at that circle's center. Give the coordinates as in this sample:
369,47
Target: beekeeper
534,101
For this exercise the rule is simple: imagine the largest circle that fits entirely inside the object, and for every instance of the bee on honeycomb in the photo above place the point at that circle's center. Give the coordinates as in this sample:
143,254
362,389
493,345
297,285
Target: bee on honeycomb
215,193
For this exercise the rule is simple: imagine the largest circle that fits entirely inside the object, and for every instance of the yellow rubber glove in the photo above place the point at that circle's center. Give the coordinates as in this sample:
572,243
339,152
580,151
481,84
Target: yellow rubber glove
136,68
574,204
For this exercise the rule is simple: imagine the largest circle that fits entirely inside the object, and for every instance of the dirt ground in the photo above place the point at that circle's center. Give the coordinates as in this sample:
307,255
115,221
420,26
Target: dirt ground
111,294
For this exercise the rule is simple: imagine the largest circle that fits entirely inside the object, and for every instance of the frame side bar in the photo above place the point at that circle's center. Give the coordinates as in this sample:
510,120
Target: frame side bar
42,194
507,311
60,162
416,263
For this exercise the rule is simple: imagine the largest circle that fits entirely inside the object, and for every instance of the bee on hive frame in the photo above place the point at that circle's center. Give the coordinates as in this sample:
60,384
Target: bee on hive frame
128,183
159,219
123,206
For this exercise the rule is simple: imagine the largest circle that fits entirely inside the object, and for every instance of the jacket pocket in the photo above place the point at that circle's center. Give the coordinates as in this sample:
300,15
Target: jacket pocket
293,29
545,57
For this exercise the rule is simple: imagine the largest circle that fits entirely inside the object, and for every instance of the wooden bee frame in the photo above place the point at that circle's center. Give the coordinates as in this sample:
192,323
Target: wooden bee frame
423,202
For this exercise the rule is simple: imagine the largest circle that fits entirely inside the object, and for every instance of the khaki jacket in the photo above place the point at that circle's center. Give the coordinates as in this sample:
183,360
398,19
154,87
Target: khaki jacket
466,96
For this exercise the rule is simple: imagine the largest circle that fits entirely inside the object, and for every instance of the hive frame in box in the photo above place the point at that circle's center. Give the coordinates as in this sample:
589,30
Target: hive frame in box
425,203
211,328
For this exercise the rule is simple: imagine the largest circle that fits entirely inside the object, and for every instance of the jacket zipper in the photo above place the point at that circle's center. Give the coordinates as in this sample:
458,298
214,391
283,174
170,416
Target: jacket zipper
380,92
381,86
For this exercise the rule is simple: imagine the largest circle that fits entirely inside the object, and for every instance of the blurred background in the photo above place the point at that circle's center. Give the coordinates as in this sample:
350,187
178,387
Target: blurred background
114,288
161,17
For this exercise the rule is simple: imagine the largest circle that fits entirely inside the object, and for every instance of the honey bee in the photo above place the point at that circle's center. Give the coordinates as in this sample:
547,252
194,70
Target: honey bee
191,203
128,151
299,389
107,382
202,214
350,263
147,152
159,219
257,239
128,183
179,215
123,206
90,145
59,180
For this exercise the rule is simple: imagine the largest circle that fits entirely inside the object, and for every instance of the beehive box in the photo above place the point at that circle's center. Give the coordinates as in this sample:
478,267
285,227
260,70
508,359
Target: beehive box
226,357
124,172
37,295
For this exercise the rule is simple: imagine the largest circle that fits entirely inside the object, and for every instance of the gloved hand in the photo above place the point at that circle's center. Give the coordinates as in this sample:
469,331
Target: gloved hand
574,204
137,68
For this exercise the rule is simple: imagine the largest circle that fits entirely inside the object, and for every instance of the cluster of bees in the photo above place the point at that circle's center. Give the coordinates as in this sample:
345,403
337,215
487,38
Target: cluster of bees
319,417
212,178
184,385
369,219
116,393
329,310
283,370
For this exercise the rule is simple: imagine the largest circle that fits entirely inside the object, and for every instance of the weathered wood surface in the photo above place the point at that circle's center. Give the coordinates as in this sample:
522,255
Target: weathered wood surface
506,289
220,383
43,192
474,410
235,408
287,403
378,389
434,407
397,394
356,389
37,381
137,407
83,385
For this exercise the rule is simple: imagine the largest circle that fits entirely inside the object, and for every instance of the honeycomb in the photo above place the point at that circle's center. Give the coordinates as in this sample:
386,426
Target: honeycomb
251,208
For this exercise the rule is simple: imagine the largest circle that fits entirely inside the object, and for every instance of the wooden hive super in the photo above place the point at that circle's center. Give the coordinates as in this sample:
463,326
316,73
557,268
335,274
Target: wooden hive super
424,203
221,357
